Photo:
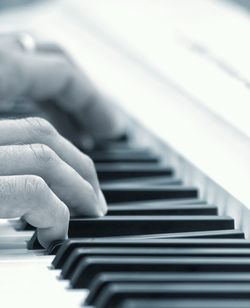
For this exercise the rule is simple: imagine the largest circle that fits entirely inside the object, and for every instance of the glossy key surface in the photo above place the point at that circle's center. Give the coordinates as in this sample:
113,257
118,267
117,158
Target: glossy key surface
76,256
137,225
90,267
114,294
104,279
68,246
149,192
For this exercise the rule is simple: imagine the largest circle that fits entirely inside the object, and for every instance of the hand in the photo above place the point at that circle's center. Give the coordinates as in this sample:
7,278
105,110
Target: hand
40,173
47,76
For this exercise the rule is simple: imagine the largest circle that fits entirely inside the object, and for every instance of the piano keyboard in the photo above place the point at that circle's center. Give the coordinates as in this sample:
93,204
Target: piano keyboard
160,245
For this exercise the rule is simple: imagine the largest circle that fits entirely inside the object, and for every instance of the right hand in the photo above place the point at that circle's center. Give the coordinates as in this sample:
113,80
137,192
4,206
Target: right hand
43,176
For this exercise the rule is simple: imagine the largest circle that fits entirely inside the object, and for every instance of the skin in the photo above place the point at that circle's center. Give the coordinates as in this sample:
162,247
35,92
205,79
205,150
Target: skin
61,90
43,176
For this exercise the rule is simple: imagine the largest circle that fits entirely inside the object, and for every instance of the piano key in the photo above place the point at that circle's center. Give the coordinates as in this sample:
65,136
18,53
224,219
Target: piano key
104,279
122,141
128,150
123,157
76,256
108,144
141,225
134,225
117,210
142,181
34,244
22,225
68,246
234,233
171,202
114,294
186,303
121,171
150,192
90,267
7,245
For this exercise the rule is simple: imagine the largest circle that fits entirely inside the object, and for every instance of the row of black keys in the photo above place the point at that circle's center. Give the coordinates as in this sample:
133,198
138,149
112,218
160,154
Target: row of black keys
110,268
148,199
159,246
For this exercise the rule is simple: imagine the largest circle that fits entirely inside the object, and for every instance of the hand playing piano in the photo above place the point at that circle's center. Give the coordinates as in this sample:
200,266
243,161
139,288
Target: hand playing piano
45,74
42,174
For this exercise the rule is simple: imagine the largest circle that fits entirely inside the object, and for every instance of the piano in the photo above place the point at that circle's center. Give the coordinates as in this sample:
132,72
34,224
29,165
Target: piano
177,229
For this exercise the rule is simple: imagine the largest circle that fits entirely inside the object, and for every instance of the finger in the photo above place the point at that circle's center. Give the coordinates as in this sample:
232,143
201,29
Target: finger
102,121
28,196
38,130
63,180
98,111
51,47
51,76
23,39
28,41
10,40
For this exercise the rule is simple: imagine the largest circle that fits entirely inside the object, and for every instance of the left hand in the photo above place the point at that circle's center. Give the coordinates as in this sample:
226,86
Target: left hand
47,76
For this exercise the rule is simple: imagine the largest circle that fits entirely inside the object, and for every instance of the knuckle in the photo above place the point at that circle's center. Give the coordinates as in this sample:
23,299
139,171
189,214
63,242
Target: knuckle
64,67
89,164
65,64
65,214
40,127
68,73
89,170
34,186
43,153
7,187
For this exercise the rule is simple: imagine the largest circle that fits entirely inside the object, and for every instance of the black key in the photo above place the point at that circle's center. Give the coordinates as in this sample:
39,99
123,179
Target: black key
34,244
90,267
152,180
23,225
150,208
133,193
121,150
76,256
122,141
185,303
114,294
69,245
138,225
197,234
118,210
172,202
104,279
123,157
228,234
122,171
108,144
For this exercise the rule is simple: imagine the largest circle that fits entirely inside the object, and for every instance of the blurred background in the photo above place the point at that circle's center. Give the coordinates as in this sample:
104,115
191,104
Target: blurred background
197,47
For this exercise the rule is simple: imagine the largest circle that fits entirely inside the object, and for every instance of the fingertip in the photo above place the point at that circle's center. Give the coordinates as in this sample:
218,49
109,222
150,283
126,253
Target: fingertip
47,236
103,208
59,231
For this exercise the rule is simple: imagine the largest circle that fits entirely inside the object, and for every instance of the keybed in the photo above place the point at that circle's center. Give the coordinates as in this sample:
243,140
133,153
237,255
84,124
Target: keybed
158,232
